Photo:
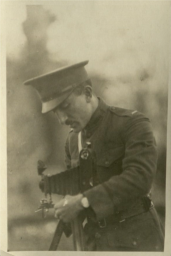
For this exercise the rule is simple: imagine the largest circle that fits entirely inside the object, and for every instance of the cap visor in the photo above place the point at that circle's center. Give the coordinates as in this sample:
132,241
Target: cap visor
50,105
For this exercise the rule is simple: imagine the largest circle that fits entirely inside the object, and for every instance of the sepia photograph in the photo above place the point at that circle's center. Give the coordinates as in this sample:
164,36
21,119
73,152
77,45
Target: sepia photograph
86,97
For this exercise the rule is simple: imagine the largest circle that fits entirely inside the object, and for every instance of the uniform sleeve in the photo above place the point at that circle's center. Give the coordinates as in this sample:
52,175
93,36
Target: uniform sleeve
67,154
138,165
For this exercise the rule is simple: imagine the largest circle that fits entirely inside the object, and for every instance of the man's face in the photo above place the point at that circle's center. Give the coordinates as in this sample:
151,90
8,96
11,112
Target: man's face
75,111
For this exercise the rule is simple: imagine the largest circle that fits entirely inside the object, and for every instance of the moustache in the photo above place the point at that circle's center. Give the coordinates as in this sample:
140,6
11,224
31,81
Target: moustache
69,122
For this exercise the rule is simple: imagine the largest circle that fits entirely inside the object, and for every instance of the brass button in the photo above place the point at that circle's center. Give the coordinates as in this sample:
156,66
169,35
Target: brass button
134,243
91,182
106,162
97,235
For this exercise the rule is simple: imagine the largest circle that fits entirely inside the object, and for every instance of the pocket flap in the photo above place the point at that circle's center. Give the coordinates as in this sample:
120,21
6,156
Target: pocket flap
106,158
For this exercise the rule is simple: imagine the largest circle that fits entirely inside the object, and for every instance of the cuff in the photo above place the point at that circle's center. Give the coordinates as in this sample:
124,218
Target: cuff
100,201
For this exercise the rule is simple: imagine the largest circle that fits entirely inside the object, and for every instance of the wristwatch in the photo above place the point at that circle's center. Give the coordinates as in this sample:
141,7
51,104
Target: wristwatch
85,202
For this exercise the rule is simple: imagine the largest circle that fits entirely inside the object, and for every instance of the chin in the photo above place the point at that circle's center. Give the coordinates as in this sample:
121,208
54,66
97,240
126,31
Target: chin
76,130
77,127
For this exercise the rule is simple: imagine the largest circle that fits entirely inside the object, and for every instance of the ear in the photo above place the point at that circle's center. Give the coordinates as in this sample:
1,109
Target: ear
88,92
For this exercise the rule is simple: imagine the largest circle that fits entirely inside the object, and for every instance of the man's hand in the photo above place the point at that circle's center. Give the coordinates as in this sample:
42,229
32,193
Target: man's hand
68,208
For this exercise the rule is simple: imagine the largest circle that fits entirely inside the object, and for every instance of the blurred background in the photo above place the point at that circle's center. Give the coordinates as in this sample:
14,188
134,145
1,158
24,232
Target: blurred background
127,45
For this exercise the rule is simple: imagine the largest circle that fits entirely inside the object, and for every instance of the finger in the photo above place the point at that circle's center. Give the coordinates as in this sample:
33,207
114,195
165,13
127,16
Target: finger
59,204
68,197
57,217
57,214
65,202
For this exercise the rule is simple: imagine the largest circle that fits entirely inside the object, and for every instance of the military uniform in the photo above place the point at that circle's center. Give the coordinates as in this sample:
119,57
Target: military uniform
121,216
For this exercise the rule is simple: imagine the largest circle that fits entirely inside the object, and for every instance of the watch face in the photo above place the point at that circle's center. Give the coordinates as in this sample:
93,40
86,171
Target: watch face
85,202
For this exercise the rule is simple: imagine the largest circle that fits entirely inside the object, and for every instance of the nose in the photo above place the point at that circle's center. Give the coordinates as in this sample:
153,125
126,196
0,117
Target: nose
62,117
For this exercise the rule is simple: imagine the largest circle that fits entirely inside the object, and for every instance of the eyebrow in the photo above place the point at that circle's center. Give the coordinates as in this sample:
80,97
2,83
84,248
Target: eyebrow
63,104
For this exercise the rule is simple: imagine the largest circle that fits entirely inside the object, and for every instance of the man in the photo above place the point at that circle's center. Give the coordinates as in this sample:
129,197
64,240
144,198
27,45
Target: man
120,213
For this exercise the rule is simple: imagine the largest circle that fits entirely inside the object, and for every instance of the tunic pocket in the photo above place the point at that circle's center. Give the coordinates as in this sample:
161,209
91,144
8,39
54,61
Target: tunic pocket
109,163
106,157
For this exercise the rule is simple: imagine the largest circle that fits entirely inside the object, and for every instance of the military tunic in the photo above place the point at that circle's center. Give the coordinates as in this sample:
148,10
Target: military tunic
124,151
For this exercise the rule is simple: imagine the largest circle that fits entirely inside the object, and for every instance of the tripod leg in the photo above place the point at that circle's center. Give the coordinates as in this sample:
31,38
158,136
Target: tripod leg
57,236
78,235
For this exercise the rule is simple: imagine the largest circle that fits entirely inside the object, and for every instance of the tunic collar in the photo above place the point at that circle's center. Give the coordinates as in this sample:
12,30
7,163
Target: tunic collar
96,118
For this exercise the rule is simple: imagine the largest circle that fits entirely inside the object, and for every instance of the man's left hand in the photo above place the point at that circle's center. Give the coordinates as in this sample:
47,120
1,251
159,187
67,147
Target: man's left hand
68,208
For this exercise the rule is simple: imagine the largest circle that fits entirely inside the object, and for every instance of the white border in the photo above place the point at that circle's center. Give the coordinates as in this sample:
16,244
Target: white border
3,156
